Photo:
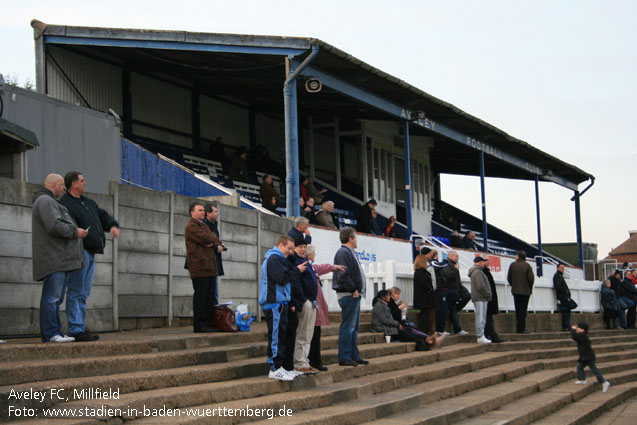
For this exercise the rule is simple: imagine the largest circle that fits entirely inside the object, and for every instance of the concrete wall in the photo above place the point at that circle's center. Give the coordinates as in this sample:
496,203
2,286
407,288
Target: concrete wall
151,284
71,138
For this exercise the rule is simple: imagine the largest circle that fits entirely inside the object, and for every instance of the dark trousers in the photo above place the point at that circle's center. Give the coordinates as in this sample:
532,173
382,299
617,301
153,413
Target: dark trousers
565,306
446,304
611,318
427,320
630,317
277,319
580,370
489,328
405,336
290,339
314,355
203,301
521,305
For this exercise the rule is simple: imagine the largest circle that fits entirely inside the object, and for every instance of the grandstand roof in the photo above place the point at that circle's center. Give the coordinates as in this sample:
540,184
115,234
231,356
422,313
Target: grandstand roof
249,69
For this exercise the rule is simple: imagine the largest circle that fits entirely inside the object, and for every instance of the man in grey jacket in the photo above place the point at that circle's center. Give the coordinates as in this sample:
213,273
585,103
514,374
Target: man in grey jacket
480,295
57,254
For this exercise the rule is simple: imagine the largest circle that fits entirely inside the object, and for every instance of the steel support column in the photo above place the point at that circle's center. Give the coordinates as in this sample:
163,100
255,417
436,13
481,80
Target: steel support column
292,134
578,227
292,206
485,233
540,253
407,180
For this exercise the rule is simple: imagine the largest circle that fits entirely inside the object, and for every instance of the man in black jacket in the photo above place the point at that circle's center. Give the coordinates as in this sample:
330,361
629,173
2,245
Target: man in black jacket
306,311
88,215
493,307
297,303
563,295
364,220
448,295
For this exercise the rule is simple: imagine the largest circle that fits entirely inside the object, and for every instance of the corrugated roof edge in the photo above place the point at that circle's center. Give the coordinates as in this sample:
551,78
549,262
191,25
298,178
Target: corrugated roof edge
169,35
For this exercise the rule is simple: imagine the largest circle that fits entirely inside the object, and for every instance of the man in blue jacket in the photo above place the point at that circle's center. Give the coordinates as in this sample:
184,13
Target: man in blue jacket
88,215
349,286
274,295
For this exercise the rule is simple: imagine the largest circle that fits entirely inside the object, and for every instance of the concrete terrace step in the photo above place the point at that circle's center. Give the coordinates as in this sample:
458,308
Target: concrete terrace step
562,334
540,344
544,379
616,407
353,386
519,401
31,371
343,394
531,354
139,342
613,356
130,381
258,384
560,401
396,402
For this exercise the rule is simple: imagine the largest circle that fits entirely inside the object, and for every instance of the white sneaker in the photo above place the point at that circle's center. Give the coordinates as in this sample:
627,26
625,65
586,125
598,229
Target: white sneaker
61,338
584,382
605,386
295,372
483,340
281,374
463,332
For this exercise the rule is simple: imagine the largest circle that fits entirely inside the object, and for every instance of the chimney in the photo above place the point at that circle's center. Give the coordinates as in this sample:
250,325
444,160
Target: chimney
631,233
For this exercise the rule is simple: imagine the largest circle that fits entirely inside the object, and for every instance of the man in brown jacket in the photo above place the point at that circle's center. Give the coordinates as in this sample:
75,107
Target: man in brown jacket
521,278
201,245
267,192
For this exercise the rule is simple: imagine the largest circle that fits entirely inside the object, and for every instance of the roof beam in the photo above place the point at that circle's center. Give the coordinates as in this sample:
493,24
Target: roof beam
171,45
398,111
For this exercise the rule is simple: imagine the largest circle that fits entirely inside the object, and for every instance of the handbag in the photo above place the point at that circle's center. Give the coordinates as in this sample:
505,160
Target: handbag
223,319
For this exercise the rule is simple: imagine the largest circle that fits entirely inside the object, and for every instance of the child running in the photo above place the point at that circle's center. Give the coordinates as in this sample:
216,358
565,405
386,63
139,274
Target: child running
579,333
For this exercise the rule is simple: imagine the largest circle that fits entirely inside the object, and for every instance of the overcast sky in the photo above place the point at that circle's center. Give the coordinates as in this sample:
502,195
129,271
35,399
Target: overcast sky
560,75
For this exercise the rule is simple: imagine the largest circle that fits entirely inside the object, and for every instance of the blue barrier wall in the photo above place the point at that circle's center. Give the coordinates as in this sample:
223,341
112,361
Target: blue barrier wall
143,168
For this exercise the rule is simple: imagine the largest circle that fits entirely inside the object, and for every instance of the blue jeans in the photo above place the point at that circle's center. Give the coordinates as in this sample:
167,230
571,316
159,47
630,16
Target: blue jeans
52,296
348,330
624,303
79,288
581,364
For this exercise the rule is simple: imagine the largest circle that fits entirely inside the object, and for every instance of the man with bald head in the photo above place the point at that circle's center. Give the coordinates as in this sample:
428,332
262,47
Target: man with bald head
57,254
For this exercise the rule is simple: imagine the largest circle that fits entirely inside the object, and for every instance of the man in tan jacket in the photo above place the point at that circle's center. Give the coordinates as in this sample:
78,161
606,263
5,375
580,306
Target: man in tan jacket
201,245
521,278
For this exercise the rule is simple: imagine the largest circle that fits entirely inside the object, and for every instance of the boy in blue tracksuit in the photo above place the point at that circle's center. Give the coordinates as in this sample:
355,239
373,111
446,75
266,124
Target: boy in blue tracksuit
274,294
